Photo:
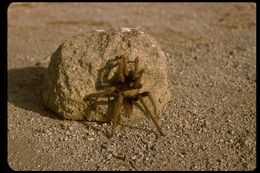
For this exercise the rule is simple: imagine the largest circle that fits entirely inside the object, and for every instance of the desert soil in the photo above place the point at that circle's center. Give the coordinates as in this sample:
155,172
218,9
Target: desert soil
210,122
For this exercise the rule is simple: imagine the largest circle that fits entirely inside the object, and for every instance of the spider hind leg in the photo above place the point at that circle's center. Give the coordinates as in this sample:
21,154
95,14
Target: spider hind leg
150,115
117,109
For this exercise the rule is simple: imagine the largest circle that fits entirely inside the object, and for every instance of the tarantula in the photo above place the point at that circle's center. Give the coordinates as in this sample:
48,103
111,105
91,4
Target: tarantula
125,89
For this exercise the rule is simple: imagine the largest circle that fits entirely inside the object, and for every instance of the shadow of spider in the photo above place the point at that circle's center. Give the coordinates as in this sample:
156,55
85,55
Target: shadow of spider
122,90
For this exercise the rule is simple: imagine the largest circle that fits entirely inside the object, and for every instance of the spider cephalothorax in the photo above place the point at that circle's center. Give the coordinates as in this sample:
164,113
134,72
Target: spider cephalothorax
125,90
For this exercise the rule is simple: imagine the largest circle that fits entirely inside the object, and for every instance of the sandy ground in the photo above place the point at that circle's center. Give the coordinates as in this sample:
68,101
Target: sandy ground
210,123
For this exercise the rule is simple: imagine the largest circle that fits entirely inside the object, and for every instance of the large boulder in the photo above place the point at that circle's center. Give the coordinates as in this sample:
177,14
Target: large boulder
81,65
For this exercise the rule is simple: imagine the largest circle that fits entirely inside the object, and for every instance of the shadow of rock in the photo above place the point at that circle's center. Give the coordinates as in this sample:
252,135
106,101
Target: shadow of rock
25,90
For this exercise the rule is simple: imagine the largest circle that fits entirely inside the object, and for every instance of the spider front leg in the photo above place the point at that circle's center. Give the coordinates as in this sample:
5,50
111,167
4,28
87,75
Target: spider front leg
136,65
117,109
150,115
135,71
121,76
95,96
137,75
138,79
123,70
126,71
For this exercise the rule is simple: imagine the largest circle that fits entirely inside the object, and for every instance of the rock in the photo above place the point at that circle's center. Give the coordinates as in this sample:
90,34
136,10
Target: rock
76,68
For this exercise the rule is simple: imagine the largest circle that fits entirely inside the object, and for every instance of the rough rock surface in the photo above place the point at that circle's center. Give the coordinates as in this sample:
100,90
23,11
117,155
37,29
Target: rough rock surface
83,65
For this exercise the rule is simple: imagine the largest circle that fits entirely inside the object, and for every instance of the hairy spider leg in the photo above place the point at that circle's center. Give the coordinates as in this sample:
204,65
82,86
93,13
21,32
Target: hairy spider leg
121,76
146,93
117,108
126,71
101,94
150,114
138,80
153,103
135,71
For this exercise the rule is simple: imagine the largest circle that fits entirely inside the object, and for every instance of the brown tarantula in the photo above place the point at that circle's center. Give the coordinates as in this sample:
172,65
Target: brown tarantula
125,89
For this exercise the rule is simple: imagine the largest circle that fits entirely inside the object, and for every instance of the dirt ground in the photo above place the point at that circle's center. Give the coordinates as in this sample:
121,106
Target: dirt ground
210,123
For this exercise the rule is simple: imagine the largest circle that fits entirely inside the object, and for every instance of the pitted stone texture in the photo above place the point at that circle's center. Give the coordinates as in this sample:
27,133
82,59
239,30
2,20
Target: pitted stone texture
75,71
